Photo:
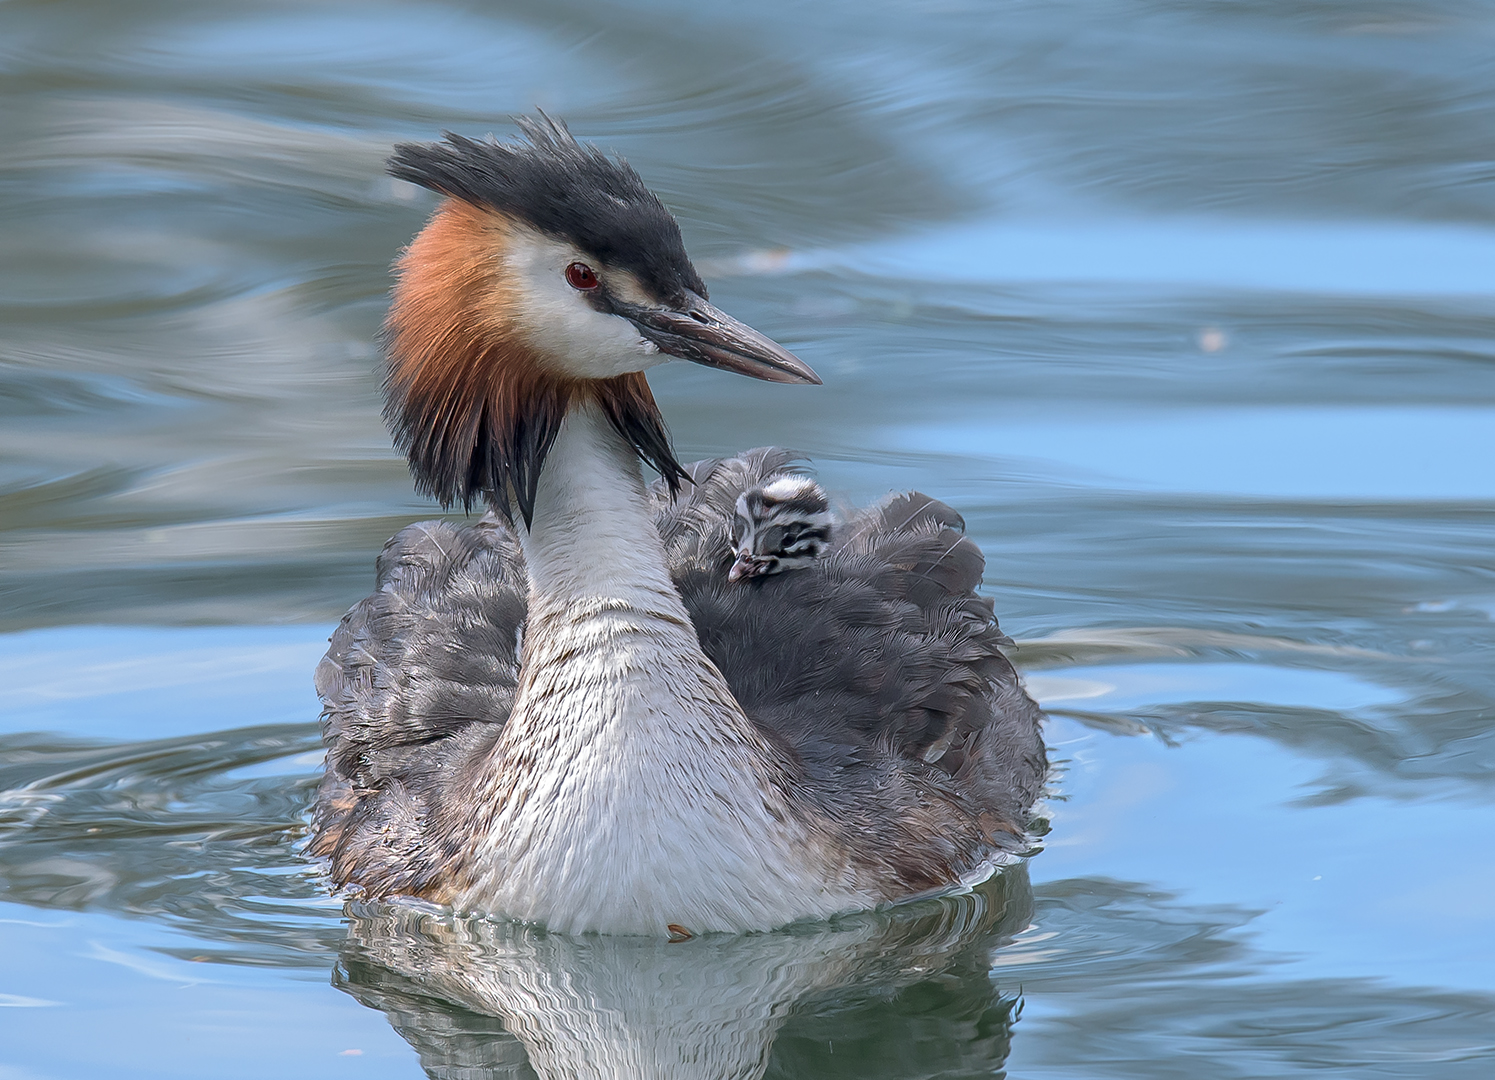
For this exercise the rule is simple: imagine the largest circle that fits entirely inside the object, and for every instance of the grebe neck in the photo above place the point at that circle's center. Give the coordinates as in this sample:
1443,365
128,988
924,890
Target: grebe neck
592,536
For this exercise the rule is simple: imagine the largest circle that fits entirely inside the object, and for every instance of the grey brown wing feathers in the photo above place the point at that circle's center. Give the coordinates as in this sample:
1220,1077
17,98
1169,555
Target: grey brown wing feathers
882,670
416,686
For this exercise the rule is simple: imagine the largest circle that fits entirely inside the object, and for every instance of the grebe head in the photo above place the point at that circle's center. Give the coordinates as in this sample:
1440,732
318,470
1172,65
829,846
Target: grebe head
782,525
549,276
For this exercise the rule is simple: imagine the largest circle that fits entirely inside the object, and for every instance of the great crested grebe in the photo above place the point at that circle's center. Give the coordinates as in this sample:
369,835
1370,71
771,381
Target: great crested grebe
568,713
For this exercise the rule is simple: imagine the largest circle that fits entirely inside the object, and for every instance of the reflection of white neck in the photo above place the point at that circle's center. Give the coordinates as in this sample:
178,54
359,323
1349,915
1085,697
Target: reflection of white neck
659,1013
595,1007
628,790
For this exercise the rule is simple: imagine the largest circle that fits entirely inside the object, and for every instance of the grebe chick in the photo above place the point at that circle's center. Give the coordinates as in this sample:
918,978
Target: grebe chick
783,525
565,713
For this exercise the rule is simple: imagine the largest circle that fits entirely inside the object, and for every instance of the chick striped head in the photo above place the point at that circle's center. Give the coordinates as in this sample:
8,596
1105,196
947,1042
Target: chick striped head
782,525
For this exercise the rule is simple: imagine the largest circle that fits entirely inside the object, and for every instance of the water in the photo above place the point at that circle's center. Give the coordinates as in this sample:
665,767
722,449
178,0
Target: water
1184,305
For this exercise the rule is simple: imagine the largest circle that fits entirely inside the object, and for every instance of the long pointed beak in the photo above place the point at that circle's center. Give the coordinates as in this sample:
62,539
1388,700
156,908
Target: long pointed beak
704,334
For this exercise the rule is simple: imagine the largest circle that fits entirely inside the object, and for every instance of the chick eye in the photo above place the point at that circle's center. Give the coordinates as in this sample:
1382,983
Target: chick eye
581,276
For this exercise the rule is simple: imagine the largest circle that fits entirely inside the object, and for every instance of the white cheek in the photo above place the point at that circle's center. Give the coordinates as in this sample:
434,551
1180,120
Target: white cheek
560,323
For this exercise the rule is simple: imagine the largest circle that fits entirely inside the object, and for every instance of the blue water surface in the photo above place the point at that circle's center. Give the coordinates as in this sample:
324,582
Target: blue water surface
1185,306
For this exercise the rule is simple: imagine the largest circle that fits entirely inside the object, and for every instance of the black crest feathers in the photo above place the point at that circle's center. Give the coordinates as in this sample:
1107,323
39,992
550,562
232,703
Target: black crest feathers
564,188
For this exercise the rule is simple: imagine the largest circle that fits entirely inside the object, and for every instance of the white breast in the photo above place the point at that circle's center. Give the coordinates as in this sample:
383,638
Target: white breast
623,808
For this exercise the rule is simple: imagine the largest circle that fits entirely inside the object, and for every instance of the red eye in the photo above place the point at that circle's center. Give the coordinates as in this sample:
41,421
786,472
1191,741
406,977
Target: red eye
580,276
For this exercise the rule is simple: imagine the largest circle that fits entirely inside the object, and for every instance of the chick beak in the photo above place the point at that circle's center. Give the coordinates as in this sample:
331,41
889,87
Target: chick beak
696,330
747,565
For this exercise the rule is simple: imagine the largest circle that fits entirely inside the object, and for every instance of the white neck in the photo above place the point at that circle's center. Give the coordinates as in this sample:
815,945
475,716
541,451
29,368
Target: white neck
592,536
628,789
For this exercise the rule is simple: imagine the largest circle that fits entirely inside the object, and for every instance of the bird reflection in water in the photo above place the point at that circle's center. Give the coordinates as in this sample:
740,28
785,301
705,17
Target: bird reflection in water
909,989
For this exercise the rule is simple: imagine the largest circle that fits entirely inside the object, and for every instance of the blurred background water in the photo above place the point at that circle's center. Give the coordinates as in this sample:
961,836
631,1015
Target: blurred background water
1184,304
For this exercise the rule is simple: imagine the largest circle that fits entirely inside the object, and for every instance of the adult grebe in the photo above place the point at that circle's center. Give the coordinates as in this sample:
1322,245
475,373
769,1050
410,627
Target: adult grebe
567,713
